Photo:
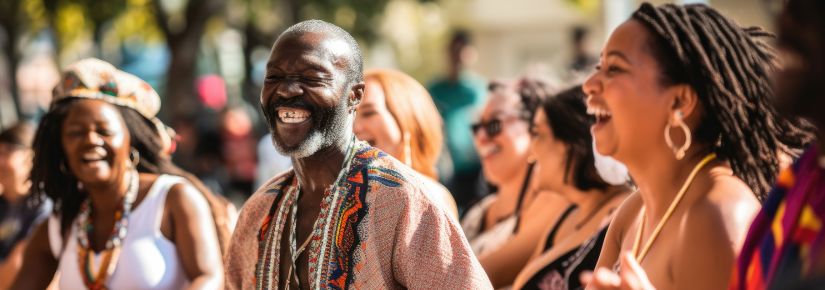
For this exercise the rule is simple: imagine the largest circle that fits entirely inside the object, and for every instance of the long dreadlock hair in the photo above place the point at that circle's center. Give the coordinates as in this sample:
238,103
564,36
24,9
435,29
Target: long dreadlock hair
63,189
731,72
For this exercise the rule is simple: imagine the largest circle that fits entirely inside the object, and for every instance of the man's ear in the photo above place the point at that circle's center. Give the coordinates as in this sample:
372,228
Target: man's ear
356,94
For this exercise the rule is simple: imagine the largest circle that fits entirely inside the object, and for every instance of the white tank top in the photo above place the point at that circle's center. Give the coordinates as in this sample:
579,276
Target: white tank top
148,260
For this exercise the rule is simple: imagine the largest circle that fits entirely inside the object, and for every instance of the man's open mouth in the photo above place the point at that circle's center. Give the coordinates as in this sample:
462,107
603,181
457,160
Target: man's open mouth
293,116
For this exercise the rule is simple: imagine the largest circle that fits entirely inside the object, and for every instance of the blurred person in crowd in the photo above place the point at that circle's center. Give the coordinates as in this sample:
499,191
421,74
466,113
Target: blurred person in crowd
458,96
583,60
785,242
201,142
36,77
696,75
348,215
270,162
398,116
20,212
199,152
505,227
127,216
594,185
238,151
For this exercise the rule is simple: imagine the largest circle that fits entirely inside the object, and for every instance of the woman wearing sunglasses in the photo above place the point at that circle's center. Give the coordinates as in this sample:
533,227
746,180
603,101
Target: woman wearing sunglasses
504,228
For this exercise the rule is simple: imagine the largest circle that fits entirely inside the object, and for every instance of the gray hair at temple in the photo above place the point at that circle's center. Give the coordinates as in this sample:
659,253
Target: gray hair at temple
355,70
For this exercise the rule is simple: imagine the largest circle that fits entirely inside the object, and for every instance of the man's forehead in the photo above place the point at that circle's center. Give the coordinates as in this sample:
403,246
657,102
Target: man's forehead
318,47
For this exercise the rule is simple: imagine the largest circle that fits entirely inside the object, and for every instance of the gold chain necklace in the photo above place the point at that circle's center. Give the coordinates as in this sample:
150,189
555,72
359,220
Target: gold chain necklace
675,202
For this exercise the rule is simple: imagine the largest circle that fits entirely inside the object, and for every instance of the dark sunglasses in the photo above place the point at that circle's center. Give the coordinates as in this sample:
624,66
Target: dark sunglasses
492,127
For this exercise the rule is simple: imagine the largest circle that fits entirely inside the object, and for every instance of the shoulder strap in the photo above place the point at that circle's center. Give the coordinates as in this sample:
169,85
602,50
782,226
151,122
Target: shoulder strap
524,187
549,243
57,242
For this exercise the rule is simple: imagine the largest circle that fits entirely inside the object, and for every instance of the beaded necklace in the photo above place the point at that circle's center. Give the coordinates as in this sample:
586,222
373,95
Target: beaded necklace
292,273
96,279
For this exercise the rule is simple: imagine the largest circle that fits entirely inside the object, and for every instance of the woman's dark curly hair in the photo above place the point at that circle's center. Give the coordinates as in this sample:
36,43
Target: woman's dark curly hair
568,119
63,189
731,71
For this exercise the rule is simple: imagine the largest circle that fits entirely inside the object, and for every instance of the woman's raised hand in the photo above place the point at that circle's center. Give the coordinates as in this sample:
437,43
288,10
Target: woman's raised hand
631,277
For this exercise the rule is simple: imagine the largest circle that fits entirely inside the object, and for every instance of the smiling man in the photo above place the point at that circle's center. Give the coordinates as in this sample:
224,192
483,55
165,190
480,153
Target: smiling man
347,215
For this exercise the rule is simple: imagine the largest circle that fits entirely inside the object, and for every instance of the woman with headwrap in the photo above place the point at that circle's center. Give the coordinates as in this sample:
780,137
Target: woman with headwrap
125,216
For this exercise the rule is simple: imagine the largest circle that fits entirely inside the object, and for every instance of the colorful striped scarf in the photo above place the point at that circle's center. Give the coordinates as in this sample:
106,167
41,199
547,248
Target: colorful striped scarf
785,242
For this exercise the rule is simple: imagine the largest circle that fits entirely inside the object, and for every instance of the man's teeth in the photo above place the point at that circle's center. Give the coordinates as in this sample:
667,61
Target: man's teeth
293,115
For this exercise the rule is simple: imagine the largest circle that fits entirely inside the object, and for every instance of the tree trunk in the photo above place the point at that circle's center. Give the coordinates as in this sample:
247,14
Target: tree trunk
180,101
9,21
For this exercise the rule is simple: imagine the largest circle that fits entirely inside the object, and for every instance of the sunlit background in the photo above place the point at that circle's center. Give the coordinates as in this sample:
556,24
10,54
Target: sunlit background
206,58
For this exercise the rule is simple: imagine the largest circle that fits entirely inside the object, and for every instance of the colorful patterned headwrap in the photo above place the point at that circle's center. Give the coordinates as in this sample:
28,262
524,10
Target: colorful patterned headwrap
92,78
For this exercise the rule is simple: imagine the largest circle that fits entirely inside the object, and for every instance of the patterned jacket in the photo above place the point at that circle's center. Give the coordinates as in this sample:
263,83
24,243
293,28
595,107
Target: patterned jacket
379,231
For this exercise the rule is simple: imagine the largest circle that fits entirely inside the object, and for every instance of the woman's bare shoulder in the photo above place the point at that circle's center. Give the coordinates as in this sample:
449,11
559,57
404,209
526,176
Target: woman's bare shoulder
724,184
725,210
712,231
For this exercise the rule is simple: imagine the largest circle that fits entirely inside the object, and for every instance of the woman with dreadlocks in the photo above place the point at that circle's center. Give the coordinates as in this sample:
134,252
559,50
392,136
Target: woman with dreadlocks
125,216
704,81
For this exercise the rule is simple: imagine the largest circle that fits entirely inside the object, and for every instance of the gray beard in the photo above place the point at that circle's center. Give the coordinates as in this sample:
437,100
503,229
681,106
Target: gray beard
311,145
338,126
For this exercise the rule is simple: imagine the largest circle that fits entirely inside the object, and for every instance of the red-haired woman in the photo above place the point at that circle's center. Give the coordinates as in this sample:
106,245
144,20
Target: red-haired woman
399,117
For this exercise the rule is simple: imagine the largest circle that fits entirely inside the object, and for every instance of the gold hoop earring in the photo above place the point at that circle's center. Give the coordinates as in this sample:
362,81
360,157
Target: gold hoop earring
407,150
134,157
679,151
531,159
63,168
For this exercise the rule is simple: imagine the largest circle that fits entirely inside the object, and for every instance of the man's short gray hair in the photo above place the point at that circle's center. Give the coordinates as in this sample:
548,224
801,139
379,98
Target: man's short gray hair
355,69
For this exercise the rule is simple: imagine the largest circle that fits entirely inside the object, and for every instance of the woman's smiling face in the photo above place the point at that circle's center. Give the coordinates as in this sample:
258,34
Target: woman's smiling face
95,142
375,123
504,154
626,95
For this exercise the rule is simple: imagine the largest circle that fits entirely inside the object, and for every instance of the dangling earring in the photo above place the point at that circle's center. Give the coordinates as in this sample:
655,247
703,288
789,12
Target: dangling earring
63,168
679,151
134,157
407,150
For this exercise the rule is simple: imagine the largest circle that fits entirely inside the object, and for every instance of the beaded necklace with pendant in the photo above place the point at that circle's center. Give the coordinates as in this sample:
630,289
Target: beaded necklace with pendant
96,279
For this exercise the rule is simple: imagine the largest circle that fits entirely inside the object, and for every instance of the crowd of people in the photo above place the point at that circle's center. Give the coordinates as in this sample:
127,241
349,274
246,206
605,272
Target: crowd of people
688,159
